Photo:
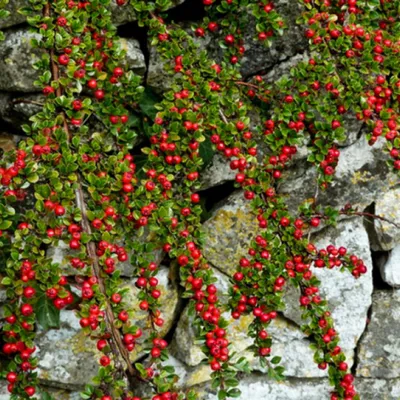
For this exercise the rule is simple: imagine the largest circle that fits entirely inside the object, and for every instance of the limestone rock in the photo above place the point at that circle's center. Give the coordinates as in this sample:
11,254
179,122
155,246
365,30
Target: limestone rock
217,173
379,351
228,233
16,109
361,176
14,18
390,267
60,253
57,394
124,14
349,299
134,56
288,342
259,58
382,389
351,124
169,300
257,386
67,358
387,205
17,58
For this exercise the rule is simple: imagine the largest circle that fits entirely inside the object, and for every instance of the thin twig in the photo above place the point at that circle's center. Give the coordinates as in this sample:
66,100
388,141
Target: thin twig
116,344
221,113
247,84
374,216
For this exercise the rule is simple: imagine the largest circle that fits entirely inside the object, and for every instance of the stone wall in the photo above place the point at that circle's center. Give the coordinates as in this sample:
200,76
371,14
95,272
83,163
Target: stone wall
367,311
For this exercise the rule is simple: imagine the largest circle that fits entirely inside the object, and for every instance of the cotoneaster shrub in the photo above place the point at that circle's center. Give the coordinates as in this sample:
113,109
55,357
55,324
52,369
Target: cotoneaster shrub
91,193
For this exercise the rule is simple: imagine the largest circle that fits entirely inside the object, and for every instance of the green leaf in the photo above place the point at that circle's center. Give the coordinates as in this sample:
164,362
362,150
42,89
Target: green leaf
206,152
5,225
6,281
147,103
222,395
48,316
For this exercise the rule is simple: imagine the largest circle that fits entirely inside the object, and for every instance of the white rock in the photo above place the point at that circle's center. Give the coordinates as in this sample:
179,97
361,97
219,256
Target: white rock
259,387
387,235
390,268
349,299
379,351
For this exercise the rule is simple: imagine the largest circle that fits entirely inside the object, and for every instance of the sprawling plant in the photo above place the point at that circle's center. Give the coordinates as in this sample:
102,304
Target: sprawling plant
77,180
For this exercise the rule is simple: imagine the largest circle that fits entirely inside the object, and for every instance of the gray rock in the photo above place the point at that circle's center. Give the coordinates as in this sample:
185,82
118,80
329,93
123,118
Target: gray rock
157,77
217,173
134,56
259,58
390,267
382,389
257,386
349,299
386,235
60,253
17,58
67,358
124,14
351,124
361,176
262,388
169,301
14,18
288,342
379,351
228,232
16,110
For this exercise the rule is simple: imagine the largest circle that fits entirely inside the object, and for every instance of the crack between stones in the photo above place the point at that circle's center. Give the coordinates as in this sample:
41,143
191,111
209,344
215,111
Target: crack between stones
357,348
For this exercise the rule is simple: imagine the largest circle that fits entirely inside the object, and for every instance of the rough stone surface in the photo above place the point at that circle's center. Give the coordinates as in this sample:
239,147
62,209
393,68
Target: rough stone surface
16,112
361,176
217,173
228,232
134,56
261,388
14,18
258,58
387,205
349,299
288,341
59,254
379,352
57,394
124,14
390,267
16,54
67,359
378,389
169,305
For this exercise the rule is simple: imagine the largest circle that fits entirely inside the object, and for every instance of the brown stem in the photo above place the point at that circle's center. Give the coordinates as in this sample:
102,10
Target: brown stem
374,216
247,84
117,346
